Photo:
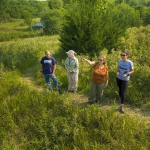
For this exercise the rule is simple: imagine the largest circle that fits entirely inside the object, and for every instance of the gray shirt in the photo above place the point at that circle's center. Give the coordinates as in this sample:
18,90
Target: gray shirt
72,64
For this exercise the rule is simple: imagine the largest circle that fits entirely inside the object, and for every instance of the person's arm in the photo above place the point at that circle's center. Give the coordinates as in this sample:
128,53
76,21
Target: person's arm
106,81
76,66
92,63
66,63
41,70
129,73
131,70
54,69
107,76
117,72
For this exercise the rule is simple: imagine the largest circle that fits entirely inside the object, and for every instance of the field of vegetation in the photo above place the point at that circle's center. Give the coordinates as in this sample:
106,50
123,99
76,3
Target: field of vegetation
16,30
33,118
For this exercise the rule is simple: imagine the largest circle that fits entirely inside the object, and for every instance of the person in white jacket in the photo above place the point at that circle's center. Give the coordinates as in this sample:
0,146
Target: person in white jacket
72,67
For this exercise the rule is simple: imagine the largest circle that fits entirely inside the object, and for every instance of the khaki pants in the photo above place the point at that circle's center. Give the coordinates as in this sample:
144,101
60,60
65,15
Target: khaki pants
72,81
96,91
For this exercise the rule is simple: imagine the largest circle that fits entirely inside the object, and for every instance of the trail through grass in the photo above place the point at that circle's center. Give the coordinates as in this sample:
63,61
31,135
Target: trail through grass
106,104
27,78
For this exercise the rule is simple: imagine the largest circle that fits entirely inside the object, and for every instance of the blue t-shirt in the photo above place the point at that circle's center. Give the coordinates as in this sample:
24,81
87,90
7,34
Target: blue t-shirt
48,64
124,67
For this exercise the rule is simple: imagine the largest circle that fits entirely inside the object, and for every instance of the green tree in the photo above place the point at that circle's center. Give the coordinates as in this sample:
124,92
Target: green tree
147,18
83,29
117,20
3,10
55,4
53,21
28,19
96,25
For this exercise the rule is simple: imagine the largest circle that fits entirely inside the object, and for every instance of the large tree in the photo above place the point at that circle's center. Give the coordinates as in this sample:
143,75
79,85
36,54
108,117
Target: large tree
83,28
92,25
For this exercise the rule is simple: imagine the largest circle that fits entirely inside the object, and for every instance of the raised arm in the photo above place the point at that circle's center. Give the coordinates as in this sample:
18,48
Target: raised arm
92,63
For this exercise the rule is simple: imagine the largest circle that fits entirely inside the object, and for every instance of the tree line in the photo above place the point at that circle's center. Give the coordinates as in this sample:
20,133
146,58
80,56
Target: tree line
85,26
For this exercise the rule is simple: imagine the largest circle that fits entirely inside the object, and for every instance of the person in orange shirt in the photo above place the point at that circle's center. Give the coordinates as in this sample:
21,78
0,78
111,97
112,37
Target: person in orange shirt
99,79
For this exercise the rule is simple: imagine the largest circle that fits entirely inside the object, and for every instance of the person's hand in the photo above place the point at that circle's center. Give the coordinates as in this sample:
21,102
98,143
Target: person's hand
69,71
83,59
117,73
53,74
124,75
106,84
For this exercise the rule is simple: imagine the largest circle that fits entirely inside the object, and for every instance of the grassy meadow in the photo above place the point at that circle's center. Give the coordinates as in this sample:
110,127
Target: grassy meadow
33,118
18,30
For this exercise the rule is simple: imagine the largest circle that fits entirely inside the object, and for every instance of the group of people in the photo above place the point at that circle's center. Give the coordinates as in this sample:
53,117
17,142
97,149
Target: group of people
99,78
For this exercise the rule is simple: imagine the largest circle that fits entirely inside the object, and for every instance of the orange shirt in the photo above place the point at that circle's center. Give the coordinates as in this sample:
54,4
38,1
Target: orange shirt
99,75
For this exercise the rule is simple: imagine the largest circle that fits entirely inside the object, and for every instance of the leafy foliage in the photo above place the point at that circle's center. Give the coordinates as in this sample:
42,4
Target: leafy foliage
3,10
16,30
53,21
96,25
118,19
34,118
82,30
55,4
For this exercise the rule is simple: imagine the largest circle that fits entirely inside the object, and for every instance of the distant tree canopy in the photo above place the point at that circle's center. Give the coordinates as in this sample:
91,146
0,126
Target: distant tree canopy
118,19
4,5
96,25
53,20
143,6
55,4
15,8
88,25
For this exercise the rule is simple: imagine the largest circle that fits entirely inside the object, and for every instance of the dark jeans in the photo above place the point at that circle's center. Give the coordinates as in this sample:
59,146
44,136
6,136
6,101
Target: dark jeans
47,80
122,85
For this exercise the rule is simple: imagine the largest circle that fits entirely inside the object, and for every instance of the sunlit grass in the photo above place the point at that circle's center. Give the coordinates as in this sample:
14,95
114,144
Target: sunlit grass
34,118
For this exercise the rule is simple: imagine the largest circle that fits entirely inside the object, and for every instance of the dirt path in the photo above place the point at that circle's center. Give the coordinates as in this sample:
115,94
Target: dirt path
142,113
28,79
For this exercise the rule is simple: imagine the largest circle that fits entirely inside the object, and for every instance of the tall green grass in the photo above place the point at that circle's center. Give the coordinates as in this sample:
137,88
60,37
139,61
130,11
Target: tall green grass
16,30
38,119
42,120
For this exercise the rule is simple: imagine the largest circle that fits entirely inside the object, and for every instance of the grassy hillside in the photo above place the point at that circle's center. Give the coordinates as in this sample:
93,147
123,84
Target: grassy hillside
17,29
36,119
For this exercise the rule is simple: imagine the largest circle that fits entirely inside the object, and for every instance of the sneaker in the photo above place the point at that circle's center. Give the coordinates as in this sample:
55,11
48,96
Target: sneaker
90,103
60,91
50,88
98,102
121,109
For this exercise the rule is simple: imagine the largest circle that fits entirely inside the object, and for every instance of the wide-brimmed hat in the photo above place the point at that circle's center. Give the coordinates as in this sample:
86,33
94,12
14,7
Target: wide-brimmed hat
71,52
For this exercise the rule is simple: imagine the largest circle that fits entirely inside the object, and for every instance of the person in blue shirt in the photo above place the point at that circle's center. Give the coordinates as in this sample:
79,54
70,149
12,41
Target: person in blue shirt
48,68
125,69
